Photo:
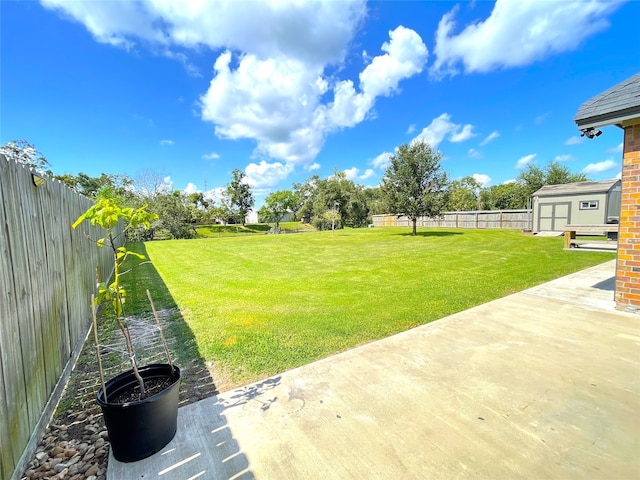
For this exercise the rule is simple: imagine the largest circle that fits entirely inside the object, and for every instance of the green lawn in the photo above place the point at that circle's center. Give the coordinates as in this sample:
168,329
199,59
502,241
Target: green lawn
259,305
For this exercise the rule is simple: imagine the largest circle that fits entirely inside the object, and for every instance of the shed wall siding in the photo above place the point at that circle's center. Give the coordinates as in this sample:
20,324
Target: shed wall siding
555,205
628,262
590,216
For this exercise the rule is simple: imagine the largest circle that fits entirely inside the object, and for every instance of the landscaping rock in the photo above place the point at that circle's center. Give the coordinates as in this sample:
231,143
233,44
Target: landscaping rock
75,445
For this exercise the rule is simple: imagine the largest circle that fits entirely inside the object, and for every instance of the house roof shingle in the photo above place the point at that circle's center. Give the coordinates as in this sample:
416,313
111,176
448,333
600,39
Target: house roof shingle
575,188
619,103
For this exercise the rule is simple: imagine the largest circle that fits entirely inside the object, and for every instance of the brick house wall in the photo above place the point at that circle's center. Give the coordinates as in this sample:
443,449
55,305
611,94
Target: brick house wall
628,264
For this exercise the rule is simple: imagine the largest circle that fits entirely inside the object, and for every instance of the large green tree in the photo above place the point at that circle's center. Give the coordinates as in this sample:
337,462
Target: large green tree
335,193
414,183
240,196
25,153
516,194
119,185
375,200
533,178
277,205
506,196
306,193
463,195
174,214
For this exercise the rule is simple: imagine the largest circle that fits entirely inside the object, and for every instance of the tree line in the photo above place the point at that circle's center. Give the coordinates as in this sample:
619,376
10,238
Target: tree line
413,185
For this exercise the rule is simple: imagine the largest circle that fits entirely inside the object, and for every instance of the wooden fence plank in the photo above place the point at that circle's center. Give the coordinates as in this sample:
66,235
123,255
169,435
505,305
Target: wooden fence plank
25,299
15,425
60,234
38,276
50,298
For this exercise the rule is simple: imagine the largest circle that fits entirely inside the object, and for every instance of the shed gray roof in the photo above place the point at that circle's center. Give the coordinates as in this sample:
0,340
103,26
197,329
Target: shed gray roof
576,188
612,107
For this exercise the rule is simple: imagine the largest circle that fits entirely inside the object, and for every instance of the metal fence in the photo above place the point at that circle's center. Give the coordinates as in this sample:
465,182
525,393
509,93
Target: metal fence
47,275
505,219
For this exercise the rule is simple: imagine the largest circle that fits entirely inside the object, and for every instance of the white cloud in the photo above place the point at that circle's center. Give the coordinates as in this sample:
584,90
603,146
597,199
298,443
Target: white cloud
215,194
141,118
411,129
368,173
191,188
278,87
575,140
278,101
351,173
316,32
599,167
465,134
617,149
442,126
564,158
473,153
517,34
482,179
271,101
354,174
524,161
492,136
264,174
167,142
382,161
539,120
313,166
511,180
211,156
405,56
190,68
167,185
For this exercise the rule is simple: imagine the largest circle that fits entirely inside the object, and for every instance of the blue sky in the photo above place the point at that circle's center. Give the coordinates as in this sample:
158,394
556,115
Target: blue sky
287,89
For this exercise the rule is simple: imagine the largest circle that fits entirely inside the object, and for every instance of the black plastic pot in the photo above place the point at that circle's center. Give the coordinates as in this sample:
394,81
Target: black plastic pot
140,429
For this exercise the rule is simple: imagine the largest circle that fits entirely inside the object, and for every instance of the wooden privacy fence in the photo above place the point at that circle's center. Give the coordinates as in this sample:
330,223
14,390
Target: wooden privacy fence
505,219
47,275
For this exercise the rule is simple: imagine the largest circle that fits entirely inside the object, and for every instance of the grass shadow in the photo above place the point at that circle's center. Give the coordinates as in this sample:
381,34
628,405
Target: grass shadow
211,230
429,233
197,382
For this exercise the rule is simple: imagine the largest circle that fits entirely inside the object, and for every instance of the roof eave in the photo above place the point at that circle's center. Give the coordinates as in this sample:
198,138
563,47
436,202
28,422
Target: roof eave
606,120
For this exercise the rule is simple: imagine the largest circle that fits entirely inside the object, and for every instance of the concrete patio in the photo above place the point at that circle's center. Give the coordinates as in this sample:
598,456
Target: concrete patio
544,383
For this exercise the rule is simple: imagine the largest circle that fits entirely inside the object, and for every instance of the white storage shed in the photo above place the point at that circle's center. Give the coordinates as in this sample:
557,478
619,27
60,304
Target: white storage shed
581,203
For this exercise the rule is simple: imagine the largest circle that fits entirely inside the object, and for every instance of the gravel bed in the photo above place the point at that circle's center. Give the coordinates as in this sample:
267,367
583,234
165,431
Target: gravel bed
75,445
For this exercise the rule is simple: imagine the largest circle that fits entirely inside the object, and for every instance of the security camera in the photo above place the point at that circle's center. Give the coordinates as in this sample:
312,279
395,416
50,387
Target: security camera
591,132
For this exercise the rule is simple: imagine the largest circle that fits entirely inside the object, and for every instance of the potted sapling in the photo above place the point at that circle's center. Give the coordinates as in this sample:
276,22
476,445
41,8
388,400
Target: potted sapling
139,406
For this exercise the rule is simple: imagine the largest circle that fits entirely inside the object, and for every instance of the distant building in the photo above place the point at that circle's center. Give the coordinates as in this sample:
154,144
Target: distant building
252,217
581,203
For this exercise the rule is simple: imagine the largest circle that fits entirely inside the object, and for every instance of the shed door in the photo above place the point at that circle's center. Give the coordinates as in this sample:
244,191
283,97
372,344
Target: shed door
554,217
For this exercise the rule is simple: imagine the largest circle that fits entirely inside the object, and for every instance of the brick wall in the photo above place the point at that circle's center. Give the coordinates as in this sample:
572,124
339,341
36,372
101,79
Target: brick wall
628,264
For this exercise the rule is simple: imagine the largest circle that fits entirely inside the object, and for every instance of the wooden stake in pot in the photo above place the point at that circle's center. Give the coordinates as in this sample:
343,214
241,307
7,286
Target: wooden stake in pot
95,336
164,340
